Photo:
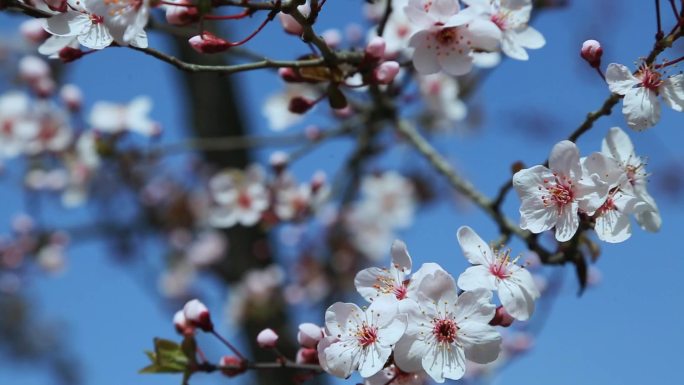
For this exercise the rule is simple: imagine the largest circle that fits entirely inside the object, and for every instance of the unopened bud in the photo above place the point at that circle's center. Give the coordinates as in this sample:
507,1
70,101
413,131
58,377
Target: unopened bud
181,324
68,54
375,50
181,14
300,105
591,52
290,25
198,315
231,366
207,42
501,318
289,75
33,31
307,356
267,339
386,72
71,96
279,161
309,334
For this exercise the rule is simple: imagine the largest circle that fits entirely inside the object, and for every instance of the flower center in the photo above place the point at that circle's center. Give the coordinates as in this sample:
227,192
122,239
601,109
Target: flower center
367,335
650,79
244,200
445,330
447,36
560,191
500,268
388,285
96,19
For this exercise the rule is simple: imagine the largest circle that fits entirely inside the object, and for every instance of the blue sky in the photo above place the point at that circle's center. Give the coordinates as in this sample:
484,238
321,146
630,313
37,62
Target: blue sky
624,331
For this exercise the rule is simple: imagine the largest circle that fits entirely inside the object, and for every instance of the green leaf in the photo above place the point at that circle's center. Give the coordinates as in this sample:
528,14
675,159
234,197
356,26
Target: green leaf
168,357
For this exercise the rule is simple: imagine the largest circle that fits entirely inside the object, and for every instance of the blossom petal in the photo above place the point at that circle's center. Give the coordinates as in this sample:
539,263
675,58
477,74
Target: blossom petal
442,362
457,61
530,38
641,108
401,257
373,360
568,222
672,91
517,302
564,159
342,358
474,248
620,78
340,317
482,342
424,58
475,306
477,277
409,352
618,145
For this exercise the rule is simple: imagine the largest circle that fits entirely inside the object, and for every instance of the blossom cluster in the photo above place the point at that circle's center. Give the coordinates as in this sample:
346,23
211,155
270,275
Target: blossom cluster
602,190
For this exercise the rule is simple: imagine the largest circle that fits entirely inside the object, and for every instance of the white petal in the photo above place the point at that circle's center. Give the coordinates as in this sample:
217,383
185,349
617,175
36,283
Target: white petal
641,108
613,226
54,44
618,145
475,306
367,281
441,362
97,37
517,302
409,352
424,58
390,334
564,159
484,34
530,38
456,63
672,91
568,222
474,248
477,277
342,358
342,316
401,257
482,342
437,284
620,78
512,48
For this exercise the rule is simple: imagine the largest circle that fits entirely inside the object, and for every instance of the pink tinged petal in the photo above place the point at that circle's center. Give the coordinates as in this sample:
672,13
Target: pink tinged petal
342,358
568,222
620,78
484,34
477,277
517,302
641,108
424,56
409,352
672,91
564,159
340,317
474,306
367,282
482,342
401,257
442,362
474,248
618,145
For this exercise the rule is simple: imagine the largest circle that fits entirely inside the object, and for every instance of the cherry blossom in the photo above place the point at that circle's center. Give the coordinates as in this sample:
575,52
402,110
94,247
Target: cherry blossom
398,29
511,17
16,124
551,197
389,198
640,104
360,340
446,330
446,38
113,118
125,19
496,271
618,146
88,28
395,376
440,92
375,282
240,197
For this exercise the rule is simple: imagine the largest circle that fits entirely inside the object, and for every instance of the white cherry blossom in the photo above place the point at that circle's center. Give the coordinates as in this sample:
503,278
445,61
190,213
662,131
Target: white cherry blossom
640,104
17,126
79,22
446,38
398,29
125,19
440,92
113,118
618,146
496,271
511,17
360,340
445,331
395,376
551,197
375,282
240,198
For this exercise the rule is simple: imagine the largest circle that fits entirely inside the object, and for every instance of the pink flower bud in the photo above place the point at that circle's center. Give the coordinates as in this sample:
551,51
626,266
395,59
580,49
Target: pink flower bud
386,72
71,96
591,52
309,334
279,161
501,318
300,105
68,54
33,31
290,25
231,366
307,356
181,324
375,50
197,314
289,75
267,339
181,14
207,42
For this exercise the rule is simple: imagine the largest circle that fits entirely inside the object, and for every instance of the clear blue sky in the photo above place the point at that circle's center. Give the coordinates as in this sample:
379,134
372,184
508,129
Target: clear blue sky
625,331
